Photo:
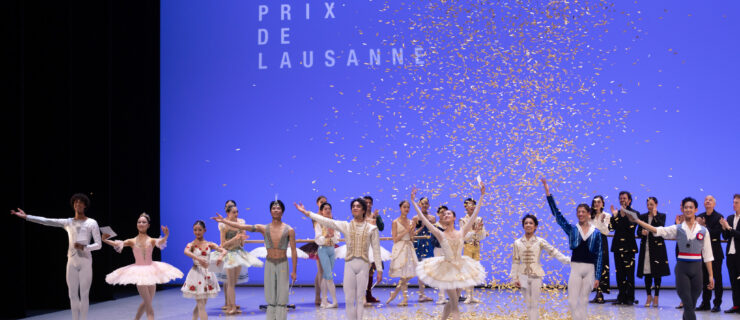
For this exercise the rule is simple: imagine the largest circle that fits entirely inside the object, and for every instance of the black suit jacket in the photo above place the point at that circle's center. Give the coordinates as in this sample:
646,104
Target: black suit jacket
732,235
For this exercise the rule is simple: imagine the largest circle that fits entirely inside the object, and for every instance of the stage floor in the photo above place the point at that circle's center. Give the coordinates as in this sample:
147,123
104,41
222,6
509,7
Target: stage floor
498,304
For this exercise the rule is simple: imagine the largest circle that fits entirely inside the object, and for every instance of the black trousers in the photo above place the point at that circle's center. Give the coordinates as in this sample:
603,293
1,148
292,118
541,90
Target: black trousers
706,295
625,264
733,267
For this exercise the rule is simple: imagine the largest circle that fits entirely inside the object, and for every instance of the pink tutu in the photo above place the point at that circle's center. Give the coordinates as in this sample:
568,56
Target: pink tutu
144,272
144,275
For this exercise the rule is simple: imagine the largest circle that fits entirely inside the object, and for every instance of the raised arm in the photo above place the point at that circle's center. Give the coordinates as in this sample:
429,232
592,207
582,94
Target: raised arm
324,221
161,242
559,218
437,234
471,222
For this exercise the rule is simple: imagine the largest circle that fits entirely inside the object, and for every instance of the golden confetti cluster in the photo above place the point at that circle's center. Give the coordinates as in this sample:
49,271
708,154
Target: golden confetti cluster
508,90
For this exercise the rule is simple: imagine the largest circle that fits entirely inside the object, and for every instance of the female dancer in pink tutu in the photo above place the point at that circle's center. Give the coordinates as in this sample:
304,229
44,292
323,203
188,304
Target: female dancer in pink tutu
452,271
200,283
144,273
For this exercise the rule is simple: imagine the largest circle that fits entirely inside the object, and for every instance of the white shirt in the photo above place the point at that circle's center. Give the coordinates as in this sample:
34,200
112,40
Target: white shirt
732,242
670,233
78,231
602,226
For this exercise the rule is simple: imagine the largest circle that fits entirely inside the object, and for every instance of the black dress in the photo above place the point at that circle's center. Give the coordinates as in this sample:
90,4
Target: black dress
656,245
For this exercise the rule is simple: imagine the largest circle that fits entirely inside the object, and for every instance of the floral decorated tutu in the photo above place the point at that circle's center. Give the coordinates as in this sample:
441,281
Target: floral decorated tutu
200,282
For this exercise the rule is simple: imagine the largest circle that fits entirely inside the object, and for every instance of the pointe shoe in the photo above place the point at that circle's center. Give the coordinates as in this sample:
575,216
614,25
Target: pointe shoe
333,305
648,301
655,302
475,300
441,301
469,300
394,293
424,298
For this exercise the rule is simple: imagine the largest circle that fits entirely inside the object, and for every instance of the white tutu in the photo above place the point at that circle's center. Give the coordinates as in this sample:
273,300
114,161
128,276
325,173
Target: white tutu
444,274
200,282
261,253
385,255
234,258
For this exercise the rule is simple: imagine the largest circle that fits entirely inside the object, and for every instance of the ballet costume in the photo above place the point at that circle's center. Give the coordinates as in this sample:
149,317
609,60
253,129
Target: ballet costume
403,263
144,271
235,257
527,269
327,254
694,249
472,248
200,283
79,262
360,238
585,262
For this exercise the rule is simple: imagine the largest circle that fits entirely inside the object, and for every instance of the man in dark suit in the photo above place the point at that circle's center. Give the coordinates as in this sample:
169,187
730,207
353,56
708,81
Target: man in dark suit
710,219
732,234
624,248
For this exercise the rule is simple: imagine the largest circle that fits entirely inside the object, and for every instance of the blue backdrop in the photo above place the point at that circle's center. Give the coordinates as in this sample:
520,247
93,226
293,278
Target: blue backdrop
345,98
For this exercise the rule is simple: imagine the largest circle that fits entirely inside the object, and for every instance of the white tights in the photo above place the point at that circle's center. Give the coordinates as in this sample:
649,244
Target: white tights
580,283
531,287
79,278
355,284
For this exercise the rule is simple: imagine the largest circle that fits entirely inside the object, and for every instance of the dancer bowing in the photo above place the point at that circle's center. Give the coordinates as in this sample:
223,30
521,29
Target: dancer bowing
360,236
144,273
403,257
585,263
200,283
278,235
693,242
526,269
79,258
454,271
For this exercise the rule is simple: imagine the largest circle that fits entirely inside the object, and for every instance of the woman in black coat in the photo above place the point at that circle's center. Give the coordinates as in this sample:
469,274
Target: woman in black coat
657,264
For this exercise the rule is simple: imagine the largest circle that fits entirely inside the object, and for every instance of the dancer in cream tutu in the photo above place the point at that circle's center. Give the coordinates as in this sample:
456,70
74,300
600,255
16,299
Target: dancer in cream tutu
403,256
200,283
452,271
144,273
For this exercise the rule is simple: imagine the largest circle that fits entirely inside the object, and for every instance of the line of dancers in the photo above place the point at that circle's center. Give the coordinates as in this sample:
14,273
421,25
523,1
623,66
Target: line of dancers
448,260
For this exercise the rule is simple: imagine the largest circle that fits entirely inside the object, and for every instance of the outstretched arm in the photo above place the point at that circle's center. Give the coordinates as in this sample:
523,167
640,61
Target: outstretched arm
469,226
40,220
324,221
631,216
237,225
